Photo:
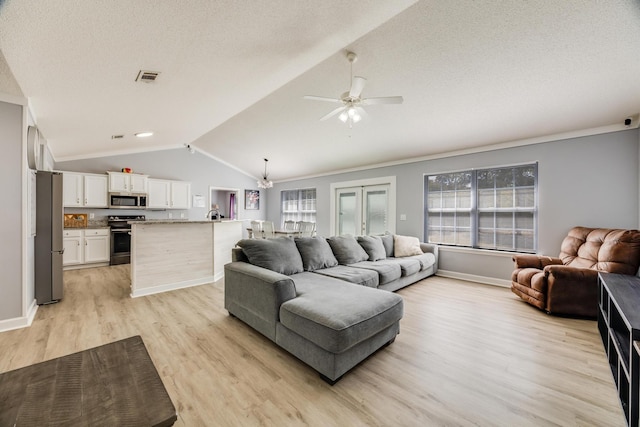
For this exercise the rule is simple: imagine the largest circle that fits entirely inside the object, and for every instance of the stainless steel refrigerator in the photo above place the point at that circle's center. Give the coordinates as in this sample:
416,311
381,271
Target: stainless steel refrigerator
48,242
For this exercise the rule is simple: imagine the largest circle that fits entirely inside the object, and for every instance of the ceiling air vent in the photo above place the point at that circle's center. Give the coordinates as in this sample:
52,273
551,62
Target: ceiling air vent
117,136
147,76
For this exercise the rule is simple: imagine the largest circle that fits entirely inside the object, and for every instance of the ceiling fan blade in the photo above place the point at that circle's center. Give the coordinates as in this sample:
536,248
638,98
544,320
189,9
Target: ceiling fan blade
333,113
362,112
383,100
322,98
356,86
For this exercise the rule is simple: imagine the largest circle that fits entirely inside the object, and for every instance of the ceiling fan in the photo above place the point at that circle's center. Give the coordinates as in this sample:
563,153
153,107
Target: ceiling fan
351,110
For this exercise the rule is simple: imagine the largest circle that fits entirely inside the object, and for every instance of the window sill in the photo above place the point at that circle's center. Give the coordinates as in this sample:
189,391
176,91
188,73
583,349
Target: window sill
477,251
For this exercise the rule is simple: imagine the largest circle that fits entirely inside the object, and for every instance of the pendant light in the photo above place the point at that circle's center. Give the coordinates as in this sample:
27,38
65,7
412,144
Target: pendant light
264,182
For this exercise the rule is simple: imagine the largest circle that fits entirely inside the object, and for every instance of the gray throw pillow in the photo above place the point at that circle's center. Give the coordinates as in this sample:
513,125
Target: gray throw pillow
373,247
316,253
387,241
280,254
347,250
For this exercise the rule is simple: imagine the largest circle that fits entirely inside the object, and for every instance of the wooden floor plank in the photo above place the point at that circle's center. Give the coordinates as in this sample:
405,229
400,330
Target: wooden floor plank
467,355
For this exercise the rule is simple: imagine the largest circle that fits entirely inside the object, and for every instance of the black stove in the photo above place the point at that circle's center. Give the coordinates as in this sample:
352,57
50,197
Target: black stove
121,237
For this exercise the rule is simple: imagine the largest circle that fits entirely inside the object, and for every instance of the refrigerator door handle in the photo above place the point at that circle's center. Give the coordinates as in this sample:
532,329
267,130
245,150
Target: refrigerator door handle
58,252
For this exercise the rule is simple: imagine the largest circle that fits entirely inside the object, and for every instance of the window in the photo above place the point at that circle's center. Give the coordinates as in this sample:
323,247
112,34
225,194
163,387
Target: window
298,205
486,208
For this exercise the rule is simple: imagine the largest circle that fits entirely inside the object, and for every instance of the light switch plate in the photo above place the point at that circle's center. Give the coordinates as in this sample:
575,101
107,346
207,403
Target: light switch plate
403,217
170,215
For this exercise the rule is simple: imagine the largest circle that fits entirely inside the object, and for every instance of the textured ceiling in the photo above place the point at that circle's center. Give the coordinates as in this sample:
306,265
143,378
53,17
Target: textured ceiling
233,74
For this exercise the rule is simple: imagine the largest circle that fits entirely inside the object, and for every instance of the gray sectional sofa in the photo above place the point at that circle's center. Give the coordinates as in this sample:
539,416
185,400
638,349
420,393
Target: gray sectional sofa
326,301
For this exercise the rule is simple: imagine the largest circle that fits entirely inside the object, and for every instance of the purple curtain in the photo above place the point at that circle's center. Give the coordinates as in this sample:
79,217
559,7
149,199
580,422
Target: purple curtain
232,206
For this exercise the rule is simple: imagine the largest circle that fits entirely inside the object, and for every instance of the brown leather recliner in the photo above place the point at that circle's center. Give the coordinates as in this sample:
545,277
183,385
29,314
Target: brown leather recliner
568,284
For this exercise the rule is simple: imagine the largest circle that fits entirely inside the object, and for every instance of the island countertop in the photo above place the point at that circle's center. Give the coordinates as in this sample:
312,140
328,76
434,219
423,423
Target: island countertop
181,221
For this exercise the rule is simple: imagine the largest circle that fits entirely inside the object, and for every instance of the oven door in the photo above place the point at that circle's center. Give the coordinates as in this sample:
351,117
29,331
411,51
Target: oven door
120,246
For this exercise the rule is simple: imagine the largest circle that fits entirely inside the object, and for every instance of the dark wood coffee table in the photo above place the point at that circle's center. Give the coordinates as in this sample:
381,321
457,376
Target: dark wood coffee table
112,385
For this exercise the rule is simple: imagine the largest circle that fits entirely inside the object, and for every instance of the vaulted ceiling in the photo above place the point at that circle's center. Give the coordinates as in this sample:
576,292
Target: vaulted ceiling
233,74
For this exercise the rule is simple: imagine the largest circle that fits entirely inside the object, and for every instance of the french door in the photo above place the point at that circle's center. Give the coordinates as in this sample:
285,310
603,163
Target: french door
362,210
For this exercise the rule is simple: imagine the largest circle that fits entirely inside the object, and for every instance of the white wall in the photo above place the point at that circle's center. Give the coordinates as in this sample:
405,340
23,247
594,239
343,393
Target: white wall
591,181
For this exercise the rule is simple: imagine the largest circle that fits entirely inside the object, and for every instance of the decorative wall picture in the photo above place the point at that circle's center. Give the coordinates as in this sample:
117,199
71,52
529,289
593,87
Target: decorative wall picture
252,199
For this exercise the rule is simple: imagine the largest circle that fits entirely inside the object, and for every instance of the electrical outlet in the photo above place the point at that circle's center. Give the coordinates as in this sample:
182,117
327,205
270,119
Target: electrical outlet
182,215
170,215
92,215
403,217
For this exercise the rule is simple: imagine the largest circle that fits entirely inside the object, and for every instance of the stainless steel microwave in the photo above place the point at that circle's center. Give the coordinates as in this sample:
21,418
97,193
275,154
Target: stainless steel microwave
127,201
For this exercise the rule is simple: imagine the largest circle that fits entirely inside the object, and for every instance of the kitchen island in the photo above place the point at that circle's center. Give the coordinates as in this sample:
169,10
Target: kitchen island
174,254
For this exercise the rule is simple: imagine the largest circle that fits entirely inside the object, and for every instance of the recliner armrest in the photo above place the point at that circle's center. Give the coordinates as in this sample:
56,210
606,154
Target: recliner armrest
535,261
565,272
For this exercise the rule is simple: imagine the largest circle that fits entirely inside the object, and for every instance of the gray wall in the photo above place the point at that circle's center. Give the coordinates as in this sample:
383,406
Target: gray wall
590,181
11,162
178,164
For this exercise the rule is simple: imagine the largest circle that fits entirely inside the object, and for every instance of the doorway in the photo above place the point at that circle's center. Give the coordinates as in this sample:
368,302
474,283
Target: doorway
363,207
226,200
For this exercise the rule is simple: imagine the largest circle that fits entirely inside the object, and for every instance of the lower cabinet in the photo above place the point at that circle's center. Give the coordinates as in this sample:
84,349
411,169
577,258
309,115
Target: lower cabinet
86,247
619,327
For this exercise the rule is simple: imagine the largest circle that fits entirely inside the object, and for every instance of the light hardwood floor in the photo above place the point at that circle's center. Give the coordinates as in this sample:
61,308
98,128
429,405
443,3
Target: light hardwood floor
467,355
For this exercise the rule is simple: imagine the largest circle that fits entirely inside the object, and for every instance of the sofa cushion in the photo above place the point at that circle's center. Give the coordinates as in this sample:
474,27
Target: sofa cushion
373,246
426,260
315,252
406,246
408,265
358,276
347,250
336,316
280,254
387,242
387,272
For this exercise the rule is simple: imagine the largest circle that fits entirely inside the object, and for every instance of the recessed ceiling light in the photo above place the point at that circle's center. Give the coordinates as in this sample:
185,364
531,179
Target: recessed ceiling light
143,134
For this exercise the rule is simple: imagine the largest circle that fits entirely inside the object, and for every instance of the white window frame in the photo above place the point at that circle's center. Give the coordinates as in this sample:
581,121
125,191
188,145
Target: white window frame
300,214
475,210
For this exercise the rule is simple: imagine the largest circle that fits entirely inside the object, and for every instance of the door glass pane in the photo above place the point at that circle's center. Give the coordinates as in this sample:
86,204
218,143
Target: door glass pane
376,212
347,215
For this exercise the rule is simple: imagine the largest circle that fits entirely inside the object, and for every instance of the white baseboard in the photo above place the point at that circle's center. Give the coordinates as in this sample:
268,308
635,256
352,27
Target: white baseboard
171,286
474,278
20,322
218,276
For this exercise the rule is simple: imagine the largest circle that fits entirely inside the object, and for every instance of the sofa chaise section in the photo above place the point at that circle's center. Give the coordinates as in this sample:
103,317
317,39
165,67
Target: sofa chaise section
323,303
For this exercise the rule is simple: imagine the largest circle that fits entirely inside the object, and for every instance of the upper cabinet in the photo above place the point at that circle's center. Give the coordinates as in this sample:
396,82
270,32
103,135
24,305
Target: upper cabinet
165,194
120,182
84,190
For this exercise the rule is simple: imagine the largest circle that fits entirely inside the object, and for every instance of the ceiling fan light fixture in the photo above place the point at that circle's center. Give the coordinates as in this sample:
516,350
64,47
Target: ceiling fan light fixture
344,116
265,182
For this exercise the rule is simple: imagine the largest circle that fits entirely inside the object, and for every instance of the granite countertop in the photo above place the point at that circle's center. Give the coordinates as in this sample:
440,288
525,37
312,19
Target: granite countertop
88,227
178,221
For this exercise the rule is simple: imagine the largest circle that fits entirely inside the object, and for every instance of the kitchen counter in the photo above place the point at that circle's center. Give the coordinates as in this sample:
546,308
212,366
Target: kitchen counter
174,254
89,227
181,221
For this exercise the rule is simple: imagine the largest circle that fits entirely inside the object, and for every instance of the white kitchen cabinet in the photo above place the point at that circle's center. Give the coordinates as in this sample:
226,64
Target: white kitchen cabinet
73,244
95,191
84,190
72,189
159,196
86,247
166,194
120,182
180,195
96,245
